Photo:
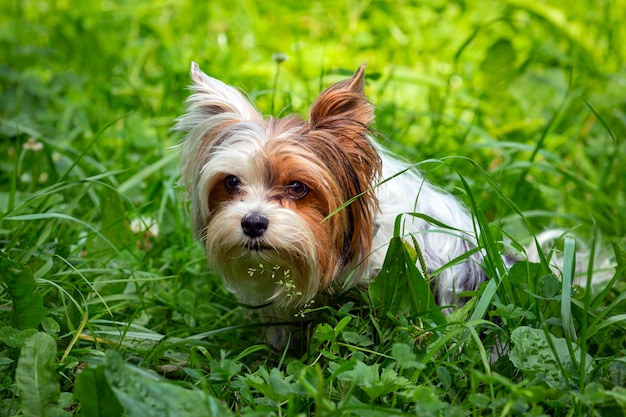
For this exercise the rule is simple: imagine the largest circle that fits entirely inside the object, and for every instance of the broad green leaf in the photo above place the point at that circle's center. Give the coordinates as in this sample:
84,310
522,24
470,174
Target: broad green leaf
342,325
50,326
499,63
10,336
95,394
324,331
357,339
28,309
406,359
36,377
283,385
374,382
388,289
145,395
427,400
15,338
533,355
400,285
594,393
422,298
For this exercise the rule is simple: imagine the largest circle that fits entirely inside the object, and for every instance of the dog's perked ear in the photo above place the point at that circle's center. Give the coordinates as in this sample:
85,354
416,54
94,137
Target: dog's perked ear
338,132
211,108
340,119
343,101
339,122
211,98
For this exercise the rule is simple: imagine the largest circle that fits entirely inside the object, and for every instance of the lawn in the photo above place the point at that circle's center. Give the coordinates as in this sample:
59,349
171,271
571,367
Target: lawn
107,307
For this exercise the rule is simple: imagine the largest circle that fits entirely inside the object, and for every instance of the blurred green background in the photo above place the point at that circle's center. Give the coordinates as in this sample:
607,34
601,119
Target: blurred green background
504,83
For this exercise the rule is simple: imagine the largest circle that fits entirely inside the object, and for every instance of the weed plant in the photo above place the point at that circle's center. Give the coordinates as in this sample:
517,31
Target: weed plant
108,309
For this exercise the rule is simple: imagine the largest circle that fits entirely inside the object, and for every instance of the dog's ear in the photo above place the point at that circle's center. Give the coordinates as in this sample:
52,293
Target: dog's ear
211,97
343,101
339,133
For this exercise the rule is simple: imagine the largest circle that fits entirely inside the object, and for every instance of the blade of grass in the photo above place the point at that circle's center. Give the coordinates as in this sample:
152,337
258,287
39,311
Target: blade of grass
569,264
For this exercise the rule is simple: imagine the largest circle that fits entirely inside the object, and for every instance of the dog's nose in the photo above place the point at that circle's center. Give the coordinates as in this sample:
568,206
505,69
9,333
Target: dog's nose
254,225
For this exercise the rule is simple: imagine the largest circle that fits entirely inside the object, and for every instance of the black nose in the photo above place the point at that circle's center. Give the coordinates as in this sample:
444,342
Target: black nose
253,225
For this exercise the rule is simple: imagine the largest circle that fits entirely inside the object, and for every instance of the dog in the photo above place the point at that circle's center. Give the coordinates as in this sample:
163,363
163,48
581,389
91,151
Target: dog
291,210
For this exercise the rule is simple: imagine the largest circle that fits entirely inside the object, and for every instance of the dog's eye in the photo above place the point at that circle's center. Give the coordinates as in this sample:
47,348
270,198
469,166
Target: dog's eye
232,183
296,190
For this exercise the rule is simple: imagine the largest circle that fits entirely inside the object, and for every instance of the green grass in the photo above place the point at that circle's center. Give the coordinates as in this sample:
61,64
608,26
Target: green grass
519,106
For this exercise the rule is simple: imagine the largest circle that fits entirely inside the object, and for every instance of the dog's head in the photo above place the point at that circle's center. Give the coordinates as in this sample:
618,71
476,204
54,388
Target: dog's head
267,193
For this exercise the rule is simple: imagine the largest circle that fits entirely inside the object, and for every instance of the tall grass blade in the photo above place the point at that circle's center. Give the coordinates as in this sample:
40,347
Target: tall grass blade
569,264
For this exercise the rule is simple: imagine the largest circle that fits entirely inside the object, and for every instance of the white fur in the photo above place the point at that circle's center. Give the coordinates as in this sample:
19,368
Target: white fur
285,274
408,193
261,277
251,275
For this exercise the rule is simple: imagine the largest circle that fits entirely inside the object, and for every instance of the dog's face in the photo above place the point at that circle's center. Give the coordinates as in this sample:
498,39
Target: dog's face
263,190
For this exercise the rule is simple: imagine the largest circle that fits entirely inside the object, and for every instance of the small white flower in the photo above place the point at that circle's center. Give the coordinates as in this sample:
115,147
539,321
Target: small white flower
289,287
33,145
306,306
146,230
144,225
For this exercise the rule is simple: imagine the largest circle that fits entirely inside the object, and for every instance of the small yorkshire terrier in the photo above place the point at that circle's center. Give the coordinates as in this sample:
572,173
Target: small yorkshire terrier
291,210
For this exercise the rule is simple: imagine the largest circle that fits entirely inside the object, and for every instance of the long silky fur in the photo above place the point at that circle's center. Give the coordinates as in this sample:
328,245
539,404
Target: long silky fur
306,253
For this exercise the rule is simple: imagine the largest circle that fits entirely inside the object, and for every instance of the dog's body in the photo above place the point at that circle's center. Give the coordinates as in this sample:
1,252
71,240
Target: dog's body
269,200
410,192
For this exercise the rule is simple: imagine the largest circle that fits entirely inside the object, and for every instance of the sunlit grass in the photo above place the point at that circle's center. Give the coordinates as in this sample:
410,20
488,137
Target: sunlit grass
518,107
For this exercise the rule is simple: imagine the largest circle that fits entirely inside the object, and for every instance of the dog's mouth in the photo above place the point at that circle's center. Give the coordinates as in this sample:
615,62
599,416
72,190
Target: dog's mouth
257,246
